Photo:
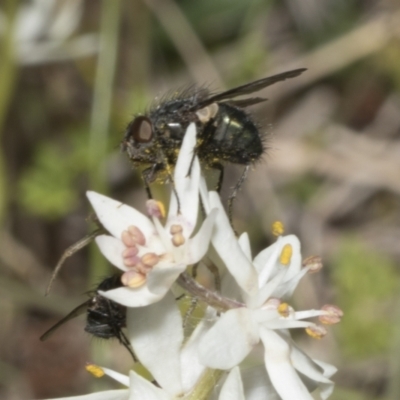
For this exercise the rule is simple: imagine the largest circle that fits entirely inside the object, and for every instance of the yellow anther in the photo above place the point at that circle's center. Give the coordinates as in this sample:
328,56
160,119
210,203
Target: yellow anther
316,331
286,254
284,309
161,208
278,228
95,370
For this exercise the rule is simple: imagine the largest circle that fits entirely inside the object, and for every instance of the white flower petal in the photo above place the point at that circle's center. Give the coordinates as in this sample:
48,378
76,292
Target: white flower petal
121,394
257,384
232,388
112,249
142,389
199,244
230,340
132,297
317,372
156,335
186,181
190,363
279,367
288,286
244,243
227,247
287,323
117,376
261,259
204,195
268,290
295,262
116,216
266,262
160,279
328,369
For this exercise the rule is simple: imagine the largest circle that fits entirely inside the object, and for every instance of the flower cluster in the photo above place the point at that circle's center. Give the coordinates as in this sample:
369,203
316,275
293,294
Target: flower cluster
249,315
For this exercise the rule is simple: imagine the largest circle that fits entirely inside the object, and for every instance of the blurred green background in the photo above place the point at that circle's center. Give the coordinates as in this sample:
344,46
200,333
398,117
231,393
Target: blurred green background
72,75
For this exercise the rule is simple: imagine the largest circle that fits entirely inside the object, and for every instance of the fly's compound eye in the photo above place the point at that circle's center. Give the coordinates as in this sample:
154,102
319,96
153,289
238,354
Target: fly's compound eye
141,130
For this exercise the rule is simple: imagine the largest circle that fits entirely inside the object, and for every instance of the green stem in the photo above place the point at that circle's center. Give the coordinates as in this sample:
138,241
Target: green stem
206,385
101,112
99,128
8,73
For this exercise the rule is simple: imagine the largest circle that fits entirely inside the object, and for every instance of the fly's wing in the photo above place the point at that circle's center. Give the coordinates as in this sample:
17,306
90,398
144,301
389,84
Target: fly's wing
250,87
81,309
250,101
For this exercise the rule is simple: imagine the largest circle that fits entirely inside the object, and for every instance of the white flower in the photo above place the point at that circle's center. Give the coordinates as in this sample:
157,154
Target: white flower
153,256
266,317
140,388
156,335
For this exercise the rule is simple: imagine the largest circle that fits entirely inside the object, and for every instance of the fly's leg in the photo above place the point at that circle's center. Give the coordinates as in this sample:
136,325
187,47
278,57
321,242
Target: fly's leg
220,168
71,250
149,175
119,334
235,190
125,342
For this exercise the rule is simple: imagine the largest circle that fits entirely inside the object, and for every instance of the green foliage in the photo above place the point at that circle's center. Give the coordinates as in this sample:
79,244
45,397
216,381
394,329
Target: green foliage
366,283
48,188
388,62
303,188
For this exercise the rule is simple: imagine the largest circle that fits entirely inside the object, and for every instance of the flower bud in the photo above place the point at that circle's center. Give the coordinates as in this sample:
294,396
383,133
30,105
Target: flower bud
150,259
133,236
130,257
175,229
178,239
133,279
137,235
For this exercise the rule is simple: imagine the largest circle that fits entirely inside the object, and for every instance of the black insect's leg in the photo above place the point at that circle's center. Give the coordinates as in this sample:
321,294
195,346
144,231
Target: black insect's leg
116,327
148,176
220,168
235,190
191,162
174,188
125,342
71,250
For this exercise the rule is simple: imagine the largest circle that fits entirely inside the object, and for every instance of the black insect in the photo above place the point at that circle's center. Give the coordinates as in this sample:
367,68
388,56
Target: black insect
226,133
104,318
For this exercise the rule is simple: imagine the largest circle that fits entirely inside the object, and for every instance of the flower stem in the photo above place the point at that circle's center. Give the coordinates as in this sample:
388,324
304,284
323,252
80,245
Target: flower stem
206,385
213,299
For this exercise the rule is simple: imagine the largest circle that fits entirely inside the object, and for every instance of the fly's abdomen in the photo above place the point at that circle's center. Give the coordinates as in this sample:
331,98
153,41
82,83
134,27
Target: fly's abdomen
235,137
